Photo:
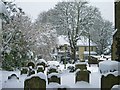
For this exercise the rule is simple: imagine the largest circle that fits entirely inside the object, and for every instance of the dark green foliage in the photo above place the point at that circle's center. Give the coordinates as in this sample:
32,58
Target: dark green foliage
18,53
14,45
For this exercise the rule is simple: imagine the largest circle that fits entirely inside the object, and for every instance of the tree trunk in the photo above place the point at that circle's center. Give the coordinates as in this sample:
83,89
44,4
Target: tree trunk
74,55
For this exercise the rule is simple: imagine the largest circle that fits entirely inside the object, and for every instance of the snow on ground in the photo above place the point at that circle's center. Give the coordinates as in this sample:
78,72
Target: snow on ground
67,79
0,80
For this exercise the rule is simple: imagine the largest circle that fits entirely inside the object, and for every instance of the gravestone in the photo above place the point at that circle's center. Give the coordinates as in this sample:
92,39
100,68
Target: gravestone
54,77
40,69
41,62
52,69
82,75
31,63
13,76
81,66
35,82
12,82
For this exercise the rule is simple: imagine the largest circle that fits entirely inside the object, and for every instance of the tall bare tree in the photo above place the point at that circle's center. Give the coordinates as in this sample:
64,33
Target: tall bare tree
71,19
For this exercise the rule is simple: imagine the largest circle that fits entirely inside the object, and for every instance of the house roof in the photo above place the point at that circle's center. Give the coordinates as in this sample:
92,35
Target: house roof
62,40
83,41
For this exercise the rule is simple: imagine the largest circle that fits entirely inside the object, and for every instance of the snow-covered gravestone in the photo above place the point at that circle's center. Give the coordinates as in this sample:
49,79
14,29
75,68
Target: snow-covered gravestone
108,66
12,82
40,68
109,80
24,70
41,62
31,63
82,75
35,82
54,77
52,69
81,66
13,76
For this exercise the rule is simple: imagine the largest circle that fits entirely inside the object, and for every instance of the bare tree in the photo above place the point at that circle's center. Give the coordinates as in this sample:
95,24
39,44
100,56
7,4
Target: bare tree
71,19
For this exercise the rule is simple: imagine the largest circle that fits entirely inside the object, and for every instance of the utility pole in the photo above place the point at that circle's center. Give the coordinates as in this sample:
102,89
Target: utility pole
89,47
65,46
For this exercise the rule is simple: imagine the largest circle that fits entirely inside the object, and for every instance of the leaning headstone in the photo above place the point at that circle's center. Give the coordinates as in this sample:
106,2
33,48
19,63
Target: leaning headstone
40,69
54,77
35,82
24,70
82,75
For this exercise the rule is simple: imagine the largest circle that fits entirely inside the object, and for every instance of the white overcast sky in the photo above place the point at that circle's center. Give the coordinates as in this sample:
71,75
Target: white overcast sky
34,7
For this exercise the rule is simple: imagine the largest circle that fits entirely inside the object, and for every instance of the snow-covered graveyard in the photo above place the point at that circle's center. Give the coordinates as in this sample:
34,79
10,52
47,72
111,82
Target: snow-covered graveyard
67,77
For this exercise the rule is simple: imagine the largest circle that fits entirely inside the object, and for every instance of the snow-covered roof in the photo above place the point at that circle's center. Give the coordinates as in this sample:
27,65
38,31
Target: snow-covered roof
62,40
84,41
3,8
